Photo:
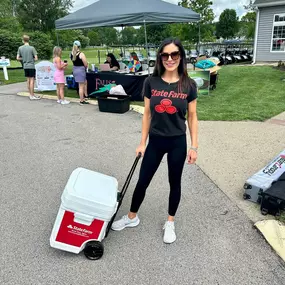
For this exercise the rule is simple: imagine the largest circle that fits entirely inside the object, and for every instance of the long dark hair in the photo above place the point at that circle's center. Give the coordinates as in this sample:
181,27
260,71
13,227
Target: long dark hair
114,62
185,82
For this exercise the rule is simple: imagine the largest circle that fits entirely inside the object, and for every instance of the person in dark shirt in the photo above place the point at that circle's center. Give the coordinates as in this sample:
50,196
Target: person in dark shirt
80,64
114,65
170,98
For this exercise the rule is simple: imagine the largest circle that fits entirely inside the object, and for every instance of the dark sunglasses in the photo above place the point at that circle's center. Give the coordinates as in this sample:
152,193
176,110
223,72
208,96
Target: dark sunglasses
174,55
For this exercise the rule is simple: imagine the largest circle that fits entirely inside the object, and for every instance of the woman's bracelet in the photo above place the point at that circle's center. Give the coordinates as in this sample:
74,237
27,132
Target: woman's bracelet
194,148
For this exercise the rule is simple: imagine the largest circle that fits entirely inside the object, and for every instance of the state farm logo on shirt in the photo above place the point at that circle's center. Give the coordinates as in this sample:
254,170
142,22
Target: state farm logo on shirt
171,94
165,106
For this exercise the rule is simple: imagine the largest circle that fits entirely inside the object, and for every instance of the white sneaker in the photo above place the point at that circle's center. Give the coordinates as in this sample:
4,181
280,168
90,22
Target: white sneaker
64,102
169,232
125,222
58,101
34,98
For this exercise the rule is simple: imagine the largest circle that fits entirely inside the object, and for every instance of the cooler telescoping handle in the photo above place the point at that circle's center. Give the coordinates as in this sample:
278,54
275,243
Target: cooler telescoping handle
123,192
128,180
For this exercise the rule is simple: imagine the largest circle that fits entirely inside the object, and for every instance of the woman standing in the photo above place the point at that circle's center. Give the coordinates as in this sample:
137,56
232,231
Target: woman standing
79,70
59,75
169,94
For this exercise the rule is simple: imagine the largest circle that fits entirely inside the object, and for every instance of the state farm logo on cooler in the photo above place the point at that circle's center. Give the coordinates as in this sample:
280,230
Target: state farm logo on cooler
79,229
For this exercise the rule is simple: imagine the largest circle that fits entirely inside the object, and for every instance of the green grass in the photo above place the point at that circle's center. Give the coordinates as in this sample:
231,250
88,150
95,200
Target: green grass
243,92
15,76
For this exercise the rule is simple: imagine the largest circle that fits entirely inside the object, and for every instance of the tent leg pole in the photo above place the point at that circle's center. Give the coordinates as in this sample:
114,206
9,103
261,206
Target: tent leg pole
199,37
146,45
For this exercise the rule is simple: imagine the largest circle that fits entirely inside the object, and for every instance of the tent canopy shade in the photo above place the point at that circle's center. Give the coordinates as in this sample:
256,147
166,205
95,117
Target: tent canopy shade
117,13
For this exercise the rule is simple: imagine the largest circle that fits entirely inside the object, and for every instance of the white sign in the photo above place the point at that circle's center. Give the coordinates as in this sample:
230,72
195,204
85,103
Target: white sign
44,76
4,62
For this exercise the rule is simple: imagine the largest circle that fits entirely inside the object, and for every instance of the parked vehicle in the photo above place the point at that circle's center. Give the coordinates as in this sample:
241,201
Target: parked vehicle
152,58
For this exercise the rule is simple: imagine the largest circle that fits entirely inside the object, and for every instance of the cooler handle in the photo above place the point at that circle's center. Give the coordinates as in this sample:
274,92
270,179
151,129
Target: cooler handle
123,192
83,219
128,180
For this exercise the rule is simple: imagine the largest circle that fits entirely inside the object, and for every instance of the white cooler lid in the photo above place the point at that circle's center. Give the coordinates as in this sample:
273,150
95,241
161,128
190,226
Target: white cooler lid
91,193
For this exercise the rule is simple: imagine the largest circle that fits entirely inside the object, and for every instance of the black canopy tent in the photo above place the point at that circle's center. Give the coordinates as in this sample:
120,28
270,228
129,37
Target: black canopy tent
120,13
117,13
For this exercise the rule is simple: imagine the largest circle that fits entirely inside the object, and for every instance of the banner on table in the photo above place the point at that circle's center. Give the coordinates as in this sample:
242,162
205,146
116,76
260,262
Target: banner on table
202,79
44,76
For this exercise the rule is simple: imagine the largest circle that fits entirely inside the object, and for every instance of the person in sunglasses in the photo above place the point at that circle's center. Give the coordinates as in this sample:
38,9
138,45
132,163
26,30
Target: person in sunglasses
170,98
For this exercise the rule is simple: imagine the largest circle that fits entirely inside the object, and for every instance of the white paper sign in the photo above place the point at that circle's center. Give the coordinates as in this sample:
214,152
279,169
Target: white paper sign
44,76
4,62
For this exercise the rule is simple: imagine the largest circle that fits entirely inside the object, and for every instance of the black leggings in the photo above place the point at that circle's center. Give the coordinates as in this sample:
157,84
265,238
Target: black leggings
176,148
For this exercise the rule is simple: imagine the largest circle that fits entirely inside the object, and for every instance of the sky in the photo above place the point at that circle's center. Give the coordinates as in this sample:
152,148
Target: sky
218,5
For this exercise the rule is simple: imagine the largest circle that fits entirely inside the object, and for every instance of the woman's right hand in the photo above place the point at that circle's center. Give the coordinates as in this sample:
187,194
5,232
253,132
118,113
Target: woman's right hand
141,149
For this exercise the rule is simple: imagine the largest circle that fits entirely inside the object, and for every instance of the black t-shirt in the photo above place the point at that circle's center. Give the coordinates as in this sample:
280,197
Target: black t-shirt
168,107
113,64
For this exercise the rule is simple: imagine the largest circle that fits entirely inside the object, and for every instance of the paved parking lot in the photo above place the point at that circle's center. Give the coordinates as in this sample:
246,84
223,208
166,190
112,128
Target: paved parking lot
42,143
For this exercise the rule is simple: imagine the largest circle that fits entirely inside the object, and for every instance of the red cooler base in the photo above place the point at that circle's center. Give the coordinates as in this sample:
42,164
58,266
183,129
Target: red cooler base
76,234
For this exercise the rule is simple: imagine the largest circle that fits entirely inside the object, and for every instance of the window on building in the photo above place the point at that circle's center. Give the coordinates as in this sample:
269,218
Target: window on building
278,37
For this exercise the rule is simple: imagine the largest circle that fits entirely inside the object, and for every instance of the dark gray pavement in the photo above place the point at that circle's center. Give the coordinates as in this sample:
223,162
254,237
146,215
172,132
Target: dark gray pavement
42,143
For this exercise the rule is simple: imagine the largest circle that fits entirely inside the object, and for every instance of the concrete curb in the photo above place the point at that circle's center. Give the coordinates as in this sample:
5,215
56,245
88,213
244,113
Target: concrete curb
51,97
136,108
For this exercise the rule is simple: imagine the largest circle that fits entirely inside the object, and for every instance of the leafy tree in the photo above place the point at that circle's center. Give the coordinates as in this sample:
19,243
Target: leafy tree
228,25
191,31
41,15
107,36
141,36
129,35
250,6
248,25
67,37
155,33
10,24
94,37
8,8
9,43
248,21
43,44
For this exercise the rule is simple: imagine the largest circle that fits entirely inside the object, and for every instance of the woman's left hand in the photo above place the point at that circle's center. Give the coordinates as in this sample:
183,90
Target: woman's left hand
192,156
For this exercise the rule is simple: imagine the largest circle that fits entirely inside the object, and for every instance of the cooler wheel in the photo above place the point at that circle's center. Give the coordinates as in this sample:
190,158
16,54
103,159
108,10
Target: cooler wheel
246,196
94,250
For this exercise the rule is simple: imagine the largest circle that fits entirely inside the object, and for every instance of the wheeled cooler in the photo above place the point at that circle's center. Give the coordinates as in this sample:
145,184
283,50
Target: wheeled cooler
263,179
89,204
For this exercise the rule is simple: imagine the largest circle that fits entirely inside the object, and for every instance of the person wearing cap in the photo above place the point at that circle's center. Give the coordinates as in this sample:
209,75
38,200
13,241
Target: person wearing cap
79,70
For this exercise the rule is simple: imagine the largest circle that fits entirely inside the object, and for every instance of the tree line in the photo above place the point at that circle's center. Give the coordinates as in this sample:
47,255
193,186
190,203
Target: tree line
19,16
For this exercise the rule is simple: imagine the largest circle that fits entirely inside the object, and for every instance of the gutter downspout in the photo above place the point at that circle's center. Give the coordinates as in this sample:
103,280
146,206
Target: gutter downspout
256,36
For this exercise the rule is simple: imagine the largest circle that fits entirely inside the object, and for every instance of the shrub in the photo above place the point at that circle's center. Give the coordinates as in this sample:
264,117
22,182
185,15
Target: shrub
42,44
10,43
